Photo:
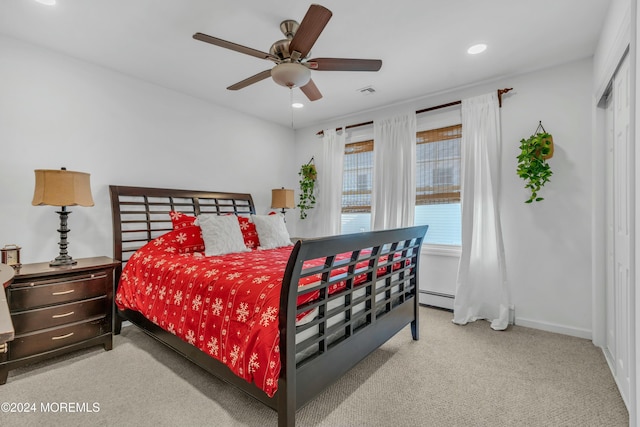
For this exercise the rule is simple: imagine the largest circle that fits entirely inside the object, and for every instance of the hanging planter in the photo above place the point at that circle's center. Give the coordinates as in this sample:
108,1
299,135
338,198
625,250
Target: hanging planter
532,161
307,199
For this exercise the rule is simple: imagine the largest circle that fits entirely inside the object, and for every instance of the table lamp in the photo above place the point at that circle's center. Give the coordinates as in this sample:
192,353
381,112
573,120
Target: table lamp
282,198
62,188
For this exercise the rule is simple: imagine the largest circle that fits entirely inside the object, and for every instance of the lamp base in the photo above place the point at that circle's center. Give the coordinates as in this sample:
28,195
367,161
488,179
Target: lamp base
62,261
64,258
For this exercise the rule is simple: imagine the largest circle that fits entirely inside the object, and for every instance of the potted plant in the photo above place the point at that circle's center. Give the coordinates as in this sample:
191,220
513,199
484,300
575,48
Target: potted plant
532,162
307,199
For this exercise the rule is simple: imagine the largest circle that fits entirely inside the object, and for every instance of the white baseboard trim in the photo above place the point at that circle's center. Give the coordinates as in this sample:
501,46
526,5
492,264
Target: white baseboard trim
442,301
553,327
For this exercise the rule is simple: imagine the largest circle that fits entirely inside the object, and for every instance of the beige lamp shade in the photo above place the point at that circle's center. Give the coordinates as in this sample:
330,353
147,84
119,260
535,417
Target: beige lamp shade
62,188
282,198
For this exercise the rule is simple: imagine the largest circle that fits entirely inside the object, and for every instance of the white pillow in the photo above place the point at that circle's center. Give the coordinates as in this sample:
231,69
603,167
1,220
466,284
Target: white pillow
272,232
221,234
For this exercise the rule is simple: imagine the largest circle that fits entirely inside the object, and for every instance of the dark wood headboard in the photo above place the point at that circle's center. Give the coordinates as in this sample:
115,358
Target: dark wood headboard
140,214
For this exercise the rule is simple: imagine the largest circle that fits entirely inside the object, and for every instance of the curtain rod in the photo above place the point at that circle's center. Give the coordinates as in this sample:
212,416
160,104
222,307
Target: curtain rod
424,110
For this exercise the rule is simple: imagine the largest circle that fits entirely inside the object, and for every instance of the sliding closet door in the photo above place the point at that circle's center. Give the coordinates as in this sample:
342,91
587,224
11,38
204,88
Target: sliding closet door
620,215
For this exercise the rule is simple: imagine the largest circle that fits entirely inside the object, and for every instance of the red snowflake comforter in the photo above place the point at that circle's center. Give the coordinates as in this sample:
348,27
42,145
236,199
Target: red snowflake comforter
227,305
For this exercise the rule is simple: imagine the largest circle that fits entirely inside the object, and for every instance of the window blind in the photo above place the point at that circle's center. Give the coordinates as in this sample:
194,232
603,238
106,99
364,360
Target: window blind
438,165
357,181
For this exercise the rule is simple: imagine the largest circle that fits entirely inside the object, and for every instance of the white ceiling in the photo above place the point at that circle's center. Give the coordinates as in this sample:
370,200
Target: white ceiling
422,44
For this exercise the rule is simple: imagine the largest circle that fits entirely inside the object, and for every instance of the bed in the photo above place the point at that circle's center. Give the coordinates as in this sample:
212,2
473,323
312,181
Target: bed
364,289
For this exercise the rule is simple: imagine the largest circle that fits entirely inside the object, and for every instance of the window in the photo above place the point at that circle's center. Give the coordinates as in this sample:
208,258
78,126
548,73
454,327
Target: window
438,184
357,183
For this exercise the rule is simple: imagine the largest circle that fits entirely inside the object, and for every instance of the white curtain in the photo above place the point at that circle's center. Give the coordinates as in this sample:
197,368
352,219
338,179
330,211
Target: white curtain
394,172
329,203
481,288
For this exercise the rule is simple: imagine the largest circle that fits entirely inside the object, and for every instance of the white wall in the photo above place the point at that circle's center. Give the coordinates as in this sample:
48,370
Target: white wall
613,41
547,244
57,111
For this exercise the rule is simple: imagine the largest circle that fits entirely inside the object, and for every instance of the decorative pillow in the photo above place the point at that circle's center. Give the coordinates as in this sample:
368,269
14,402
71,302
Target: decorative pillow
272,231
179,220
189,239
221,234
249,233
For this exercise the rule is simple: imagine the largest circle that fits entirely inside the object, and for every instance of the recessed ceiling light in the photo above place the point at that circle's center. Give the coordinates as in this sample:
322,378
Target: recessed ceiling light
477,48
47,2
297,105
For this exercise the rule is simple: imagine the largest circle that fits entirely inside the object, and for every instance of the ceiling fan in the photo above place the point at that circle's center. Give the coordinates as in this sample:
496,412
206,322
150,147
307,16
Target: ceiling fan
291,55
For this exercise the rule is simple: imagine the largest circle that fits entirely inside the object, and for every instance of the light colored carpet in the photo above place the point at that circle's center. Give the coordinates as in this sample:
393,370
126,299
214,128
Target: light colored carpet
453,376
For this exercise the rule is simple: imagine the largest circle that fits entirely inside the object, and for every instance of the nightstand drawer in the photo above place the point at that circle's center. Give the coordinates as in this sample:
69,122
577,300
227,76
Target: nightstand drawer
50,339
32,320
28,295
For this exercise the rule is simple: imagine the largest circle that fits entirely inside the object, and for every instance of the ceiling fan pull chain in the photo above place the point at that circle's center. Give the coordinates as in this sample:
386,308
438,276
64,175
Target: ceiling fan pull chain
291,104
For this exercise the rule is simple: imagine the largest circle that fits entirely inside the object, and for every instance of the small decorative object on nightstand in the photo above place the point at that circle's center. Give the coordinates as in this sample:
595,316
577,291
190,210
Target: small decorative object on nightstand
11,255
56,310
62,188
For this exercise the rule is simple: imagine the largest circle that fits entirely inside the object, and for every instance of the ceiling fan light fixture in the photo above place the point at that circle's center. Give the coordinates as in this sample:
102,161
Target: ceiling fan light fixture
291,74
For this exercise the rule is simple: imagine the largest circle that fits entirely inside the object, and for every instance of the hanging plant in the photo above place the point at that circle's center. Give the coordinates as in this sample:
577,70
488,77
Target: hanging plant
532,162
307,199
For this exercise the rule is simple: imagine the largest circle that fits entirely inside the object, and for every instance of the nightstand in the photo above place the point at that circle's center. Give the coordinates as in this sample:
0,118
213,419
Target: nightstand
56,310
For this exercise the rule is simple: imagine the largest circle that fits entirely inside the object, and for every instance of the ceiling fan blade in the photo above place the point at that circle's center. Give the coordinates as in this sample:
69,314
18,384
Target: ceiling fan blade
309,30
344,64
236,47
311,90
251,80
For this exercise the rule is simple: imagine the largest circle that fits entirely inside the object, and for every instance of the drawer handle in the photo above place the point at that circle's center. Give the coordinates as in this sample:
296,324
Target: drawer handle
61,337
57,316
70,291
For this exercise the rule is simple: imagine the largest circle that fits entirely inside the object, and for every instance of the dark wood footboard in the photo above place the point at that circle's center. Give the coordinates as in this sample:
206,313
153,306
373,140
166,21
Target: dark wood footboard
377,273
380,297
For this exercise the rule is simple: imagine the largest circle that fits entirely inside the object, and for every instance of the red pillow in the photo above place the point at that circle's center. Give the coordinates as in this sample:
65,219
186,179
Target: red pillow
190,238
179,219
249,232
